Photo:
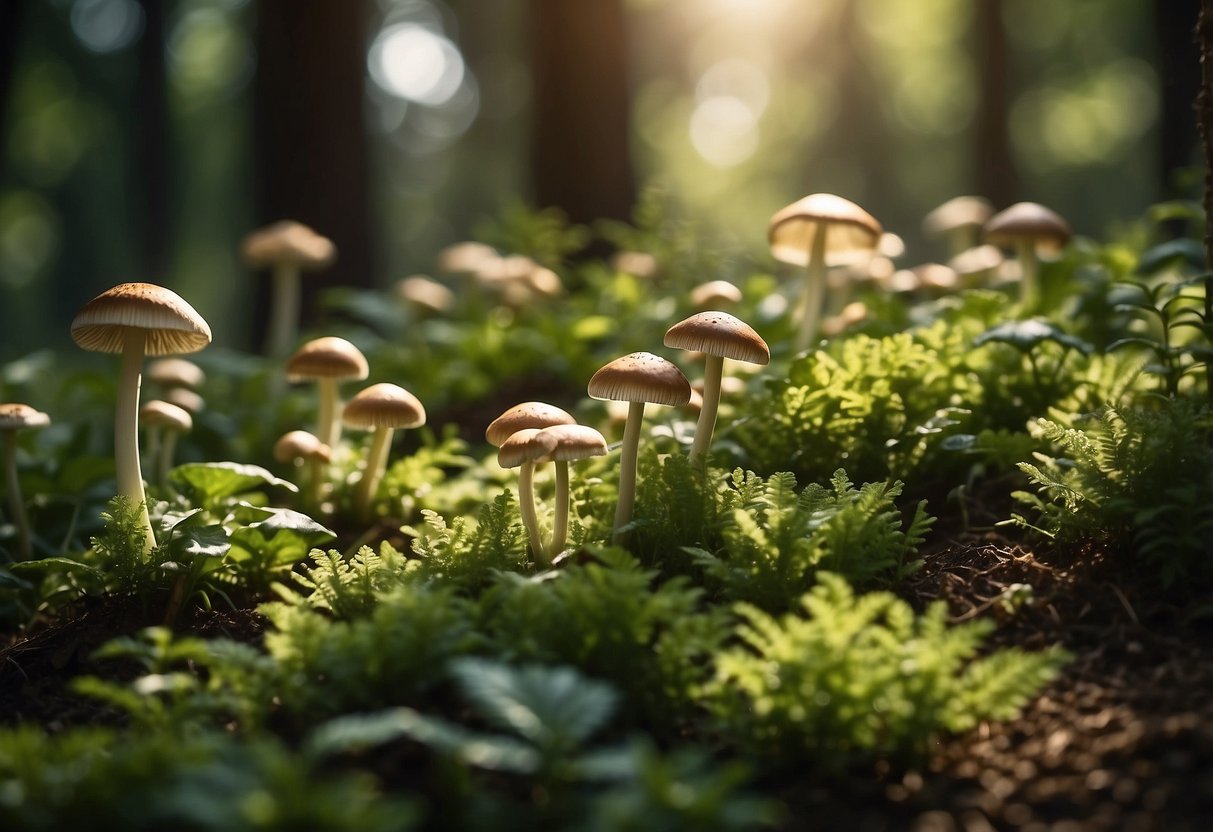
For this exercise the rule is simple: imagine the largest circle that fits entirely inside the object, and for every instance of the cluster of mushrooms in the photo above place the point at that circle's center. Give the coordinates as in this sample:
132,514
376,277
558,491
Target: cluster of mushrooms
817,232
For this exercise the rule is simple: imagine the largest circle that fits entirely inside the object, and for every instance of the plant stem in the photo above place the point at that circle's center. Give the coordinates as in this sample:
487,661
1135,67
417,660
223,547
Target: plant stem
16,505
560,529
284,317
706,426
627,470
126,429
526,507
376,464
315,475
1029,278
814,290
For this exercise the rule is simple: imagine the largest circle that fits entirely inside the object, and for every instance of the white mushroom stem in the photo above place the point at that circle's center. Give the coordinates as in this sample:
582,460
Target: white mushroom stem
315,474
526,507
814,290
560,531
1029,279
706,426
627,470
328,426
284,314
16,505
152,451
126,429
376,465
168,444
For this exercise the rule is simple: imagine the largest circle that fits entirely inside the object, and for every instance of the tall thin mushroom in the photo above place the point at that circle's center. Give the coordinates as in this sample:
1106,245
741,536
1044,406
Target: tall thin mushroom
573,442
299,446
521,450
288,249
167,421
718,335
382,408
15,417
1029,228
637,378
137,319
327,361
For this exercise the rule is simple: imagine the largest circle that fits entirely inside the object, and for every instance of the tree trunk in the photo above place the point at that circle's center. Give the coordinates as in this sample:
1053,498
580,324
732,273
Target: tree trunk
995,174
1178,61
150,166
11,13
579,145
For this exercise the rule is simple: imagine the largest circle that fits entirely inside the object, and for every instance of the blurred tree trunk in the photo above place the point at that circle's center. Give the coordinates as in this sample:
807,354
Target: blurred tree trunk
580,160
150,164
310,144
10,26
1179,71
995,175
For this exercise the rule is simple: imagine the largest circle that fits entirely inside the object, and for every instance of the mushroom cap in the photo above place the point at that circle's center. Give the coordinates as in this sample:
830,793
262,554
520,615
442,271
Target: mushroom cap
957,212
327,357
464,258
1028,221
641,377
719,333
384,405
428,294
526,445
639,264
574,442
299,444
729,386
288,242
976,260
890,246
175,372
165,415
185,399
792,229
522,416
715,293
936,277
172,325
15,416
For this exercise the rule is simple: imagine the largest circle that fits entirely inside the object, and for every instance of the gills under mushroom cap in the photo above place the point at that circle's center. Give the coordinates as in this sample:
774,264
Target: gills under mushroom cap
384,406
792,229
327,357
641,377
172,325
719,333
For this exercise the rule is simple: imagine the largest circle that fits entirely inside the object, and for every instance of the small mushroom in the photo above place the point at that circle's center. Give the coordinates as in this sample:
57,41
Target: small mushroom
424,295
718,335
639,264
301,447
288,249
15,417
137,319
636,378
173,373
959,220
812,232
521,450
715,294
327,361
186,399
1029,228
573,442
976,265
382,408
166,422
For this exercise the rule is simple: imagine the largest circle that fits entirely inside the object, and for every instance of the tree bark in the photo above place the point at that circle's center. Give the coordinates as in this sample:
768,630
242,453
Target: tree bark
995,174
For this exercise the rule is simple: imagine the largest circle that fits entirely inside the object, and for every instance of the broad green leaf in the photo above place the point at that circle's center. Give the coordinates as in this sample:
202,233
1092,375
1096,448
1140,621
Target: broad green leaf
1027,335
213,482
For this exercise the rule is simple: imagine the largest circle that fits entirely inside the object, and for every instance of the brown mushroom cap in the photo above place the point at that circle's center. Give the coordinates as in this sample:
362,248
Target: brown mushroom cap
464,258
523,416
327,357
976,260
299,444
288,242
574,442
719,333
639,264
162,414
715,293
384,405
641,377
175,372
185,399
957,212
172,325
423,292
1028,221
526,445
792,229
15,416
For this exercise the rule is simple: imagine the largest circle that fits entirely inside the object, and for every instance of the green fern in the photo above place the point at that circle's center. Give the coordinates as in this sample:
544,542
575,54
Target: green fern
466,554
350,588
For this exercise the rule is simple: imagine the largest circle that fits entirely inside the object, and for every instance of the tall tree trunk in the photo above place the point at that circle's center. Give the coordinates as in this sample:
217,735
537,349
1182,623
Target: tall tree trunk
1204,110
1178,58
150,166
579,144
995,174
11,12
310,145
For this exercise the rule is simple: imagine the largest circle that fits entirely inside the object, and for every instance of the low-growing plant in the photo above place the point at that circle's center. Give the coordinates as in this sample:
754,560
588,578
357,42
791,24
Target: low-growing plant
465,554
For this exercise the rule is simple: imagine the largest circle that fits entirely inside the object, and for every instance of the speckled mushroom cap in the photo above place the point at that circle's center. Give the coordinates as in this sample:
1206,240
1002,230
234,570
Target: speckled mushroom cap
327,357
162,414
299,444
15,416
574,442
715,293
384,405
719,333
641,377
1027,221
174,372
172,325
957,212
522,416
792,229
526,445
288,242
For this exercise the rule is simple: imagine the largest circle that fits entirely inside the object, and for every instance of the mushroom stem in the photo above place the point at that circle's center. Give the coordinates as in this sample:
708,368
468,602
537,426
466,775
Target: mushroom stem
152,451
712,371
526,507
284,317
328,426
126,429
627,470
560,529
315,474
814,290
372,473
16,505
1029,278
167,446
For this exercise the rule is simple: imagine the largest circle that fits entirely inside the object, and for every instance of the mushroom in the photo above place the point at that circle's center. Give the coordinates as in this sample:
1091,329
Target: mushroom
137,319
811,232
327,361
167,422
288,249
174,373
975,265
186,399
636,378
299,446
573,442
424,295
1029,228
639,264
715,294
15,417
959,220
383,408
464,258
521,450
718,335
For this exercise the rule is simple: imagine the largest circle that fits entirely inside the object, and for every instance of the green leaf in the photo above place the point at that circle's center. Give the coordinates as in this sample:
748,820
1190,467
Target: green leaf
1183,251
213,482
193,537
1025,336
272,520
